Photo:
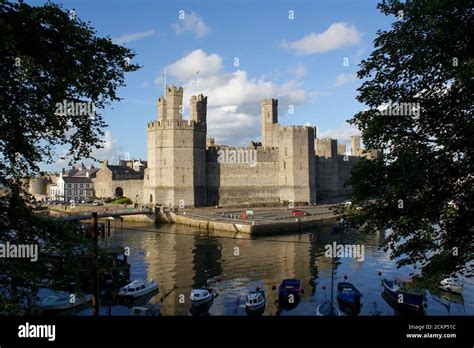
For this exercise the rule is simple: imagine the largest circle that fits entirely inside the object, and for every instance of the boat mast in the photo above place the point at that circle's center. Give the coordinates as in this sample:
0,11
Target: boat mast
332,284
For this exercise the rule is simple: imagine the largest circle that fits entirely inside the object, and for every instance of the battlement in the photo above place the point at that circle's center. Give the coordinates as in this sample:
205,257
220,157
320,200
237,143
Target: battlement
183,124
198,98
173,90
270,101
294,129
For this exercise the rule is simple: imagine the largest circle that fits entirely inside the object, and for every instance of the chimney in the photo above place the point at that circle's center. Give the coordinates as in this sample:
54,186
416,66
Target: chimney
105,163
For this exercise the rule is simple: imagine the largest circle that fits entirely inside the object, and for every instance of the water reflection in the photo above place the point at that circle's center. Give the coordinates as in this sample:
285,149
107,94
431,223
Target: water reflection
181,258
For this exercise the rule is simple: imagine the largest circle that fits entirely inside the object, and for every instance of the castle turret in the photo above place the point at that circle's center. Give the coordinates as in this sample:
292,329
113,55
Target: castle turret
161,109
355,145
172,104
198,106
269,120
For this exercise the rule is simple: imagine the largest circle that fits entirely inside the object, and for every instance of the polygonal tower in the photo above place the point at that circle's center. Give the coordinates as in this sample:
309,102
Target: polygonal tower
176,173
269,122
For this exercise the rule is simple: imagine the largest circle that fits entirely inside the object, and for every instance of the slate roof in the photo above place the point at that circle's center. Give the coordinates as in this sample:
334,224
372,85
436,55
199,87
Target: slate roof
77,180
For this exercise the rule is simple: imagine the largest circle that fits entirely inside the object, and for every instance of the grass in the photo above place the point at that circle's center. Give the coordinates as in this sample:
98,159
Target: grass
122,200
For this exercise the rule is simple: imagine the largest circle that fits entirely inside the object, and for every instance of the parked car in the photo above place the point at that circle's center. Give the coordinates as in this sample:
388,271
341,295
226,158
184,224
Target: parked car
299,212
96,202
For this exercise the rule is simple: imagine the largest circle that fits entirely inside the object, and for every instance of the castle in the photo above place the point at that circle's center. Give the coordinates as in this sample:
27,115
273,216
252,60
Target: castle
185,168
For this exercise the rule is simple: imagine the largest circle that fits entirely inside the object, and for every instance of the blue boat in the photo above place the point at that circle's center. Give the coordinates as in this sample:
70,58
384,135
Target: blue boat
348,294
397,291
289,293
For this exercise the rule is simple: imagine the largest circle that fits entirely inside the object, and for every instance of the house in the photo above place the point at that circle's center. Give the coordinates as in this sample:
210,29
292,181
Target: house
70,188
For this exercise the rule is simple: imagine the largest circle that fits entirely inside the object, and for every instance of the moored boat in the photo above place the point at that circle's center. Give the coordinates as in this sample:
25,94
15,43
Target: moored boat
348,294
63,301
289,293
451,285
255,301
201,300
138,288
202,296
396,290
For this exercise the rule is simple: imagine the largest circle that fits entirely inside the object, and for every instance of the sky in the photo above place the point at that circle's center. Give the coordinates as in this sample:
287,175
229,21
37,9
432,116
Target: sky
305,53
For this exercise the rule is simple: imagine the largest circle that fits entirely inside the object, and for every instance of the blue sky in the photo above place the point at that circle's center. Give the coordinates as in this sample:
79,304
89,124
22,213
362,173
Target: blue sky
299,61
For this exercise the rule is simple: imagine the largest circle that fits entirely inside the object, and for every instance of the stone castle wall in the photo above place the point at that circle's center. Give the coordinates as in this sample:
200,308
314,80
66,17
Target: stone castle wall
291,166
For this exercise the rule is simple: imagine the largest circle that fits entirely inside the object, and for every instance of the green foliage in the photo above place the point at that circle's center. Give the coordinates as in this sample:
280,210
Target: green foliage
422,188
48,58
122,200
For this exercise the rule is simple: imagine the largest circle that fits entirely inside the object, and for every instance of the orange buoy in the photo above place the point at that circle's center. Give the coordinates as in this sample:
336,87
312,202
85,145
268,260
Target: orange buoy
345,277
324,287
379,273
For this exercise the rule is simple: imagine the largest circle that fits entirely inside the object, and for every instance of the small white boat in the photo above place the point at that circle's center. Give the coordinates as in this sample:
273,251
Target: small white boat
451,285
148,311
255,301
138,288
199,297
63,301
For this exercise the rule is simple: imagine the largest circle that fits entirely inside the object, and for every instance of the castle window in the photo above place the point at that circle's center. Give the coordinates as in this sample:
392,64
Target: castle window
284,165
286,152
151,198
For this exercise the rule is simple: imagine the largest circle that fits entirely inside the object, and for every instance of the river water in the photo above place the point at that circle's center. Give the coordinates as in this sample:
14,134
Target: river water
181,258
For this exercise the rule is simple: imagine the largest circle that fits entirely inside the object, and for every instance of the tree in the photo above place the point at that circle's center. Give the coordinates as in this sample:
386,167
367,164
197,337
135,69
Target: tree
57,75
419,91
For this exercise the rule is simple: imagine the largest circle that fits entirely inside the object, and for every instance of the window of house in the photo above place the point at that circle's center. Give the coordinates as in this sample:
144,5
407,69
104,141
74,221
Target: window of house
82,185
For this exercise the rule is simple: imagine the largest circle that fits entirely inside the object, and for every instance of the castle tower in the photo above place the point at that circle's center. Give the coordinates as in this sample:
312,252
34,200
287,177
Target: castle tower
161,109
269,122
173,103
176,172
198,107
355,145
296,164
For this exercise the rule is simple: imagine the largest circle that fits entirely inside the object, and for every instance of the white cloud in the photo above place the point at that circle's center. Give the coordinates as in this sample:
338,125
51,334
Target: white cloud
145,84
301,71
343,79
198,60
191,23
233,97
110,149
338,35
127,38
343,133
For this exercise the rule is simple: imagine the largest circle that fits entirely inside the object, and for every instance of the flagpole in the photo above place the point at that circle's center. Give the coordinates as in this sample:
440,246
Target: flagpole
165,83
197,82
